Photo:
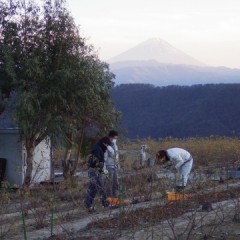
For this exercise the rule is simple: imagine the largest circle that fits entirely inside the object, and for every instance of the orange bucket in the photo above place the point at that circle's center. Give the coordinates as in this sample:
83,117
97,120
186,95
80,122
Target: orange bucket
116,201
173,196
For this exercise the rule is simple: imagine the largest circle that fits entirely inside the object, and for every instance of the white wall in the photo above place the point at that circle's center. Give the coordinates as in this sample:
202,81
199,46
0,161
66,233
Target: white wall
42,162
12,149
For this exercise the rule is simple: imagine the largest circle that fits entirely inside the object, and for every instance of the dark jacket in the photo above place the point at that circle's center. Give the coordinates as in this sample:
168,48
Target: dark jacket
96,160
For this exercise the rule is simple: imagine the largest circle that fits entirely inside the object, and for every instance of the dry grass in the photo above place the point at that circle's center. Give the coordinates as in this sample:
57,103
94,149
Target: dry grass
211,155
205,151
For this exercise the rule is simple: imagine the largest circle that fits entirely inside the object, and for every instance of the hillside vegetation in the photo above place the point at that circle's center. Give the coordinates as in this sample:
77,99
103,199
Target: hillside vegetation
179,111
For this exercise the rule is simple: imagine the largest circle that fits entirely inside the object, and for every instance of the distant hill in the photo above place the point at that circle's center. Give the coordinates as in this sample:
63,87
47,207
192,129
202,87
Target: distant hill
157,62
158,74
179,111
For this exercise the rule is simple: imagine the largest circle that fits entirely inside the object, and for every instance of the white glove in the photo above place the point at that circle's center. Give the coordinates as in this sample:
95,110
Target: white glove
105,171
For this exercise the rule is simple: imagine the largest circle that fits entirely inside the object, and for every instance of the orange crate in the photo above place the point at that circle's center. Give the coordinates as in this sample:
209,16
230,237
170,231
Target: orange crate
173,196
116,201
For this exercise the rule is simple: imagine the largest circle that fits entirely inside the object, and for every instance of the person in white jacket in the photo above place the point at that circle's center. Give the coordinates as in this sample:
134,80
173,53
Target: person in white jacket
182,161
112,165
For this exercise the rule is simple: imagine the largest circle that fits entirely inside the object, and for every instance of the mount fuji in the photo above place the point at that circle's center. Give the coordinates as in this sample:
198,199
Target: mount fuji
158,50
157,62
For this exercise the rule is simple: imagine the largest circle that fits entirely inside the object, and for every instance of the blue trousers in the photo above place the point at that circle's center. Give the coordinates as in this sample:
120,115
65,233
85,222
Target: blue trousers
95,186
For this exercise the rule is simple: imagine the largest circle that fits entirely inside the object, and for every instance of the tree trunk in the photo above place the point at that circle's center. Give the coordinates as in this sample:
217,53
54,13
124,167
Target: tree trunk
67,156
66,162
75,163
29,162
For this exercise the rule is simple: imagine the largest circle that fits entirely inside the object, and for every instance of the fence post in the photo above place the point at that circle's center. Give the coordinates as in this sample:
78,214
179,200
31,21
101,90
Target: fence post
24,225
121,198
175,174
227,176
51,220
183,192
214,182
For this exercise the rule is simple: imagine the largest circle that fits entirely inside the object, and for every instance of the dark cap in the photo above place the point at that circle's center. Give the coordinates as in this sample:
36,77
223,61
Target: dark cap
113,133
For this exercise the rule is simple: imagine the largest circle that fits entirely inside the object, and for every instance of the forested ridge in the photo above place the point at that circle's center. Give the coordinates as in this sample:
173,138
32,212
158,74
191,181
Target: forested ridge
179,111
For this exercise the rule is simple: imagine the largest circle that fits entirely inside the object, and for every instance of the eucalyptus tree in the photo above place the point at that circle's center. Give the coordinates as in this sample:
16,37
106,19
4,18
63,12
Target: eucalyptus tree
95,113
8,47
57,77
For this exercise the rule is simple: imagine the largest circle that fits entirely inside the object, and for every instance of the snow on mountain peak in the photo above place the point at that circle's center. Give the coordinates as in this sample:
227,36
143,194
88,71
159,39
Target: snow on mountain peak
156,49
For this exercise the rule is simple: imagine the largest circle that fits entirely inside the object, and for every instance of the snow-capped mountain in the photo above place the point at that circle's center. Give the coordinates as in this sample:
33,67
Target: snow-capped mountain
157,62
158,50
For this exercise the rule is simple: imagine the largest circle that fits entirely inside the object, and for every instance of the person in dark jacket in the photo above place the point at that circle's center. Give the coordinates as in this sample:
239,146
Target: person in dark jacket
95,173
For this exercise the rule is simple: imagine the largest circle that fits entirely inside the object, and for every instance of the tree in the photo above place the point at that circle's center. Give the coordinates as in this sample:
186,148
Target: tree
94,114
8,47
54,73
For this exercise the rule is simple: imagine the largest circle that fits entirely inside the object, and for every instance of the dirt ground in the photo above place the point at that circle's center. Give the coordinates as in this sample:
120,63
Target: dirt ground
213,212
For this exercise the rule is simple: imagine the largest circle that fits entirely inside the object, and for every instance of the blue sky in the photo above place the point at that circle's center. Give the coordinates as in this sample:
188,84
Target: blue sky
208,30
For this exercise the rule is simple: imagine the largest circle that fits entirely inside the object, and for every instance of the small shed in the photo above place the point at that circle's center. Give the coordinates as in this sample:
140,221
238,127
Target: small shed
12,149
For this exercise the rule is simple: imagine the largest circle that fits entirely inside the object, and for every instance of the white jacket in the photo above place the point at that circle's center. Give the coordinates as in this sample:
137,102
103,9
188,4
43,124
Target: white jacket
111,156
178,156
